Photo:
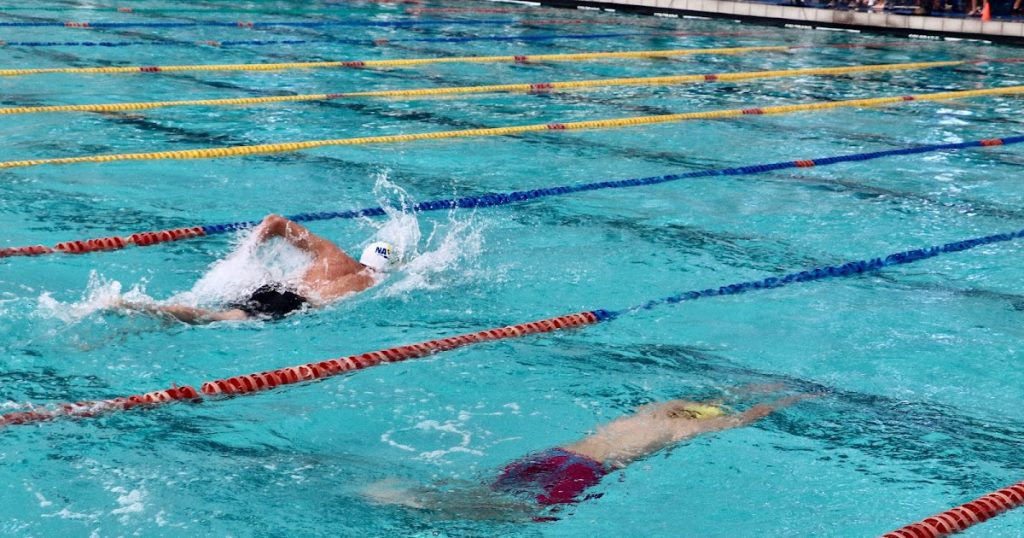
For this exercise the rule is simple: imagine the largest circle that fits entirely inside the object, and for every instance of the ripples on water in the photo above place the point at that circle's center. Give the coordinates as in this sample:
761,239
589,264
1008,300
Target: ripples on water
923,408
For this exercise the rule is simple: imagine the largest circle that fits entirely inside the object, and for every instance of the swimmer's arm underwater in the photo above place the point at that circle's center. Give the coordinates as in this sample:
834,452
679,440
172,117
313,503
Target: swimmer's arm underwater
755,413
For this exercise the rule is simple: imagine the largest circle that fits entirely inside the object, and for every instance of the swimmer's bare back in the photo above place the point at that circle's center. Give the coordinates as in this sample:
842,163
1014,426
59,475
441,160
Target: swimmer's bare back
332,274
656,426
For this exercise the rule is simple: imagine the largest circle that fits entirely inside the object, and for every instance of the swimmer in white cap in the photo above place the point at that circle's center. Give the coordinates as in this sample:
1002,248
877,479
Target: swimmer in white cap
333,274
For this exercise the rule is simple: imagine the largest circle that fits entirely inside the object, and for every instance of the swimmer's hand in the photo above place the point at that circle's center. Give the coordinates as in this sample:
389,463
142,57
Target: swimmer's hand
762,410
125,306
760,388
121,304
393,492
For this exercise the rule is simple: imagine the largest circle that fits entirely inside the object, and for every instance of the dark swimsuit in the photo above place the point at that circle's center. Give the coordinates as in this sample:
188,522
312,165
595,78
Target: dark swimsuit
271,300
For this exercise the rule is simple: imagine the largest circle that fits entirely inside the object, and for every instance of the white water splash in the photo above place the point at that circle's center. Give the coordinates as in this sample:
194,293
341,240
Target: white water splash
450,245
400,228
250,265
100,294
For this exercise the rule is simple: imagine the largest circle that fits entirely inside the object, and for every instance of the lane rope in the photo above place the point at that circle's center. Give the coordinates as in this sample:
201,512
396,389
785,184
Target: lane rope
286,147
264,24
487,200
211,10
400,62
373,42
420,10
535,87
256,382
966,515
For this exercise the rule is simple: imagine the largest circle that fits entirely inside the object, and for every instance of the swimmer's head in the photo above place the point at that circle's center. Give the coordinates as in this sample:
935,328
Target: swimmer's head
681,409
379,256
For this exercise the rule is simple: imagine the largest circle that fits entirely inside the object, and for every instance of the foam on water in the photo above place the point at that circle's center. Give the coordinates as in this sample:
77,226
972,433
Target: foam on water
449,245
100,294
247,267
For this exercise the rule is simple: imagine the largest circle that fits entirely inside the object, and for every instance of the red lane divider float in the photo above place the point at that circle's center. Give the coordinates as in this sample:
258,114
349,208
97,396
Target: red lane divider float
34,250
142,239
249,383
957,519
95,408
317,370
419,10
541,22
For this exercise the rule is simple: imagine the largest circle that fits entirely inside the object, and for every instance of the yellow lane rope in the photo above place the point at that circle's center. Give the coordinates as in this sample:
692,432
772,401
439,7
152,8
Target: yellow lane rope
542,86
207,153
398,62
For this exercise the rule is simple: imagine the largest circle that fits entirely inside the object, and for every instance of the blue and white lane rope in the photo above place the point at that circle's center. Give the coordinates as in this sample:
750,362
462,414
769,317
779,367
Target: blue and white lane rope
485,200
497,199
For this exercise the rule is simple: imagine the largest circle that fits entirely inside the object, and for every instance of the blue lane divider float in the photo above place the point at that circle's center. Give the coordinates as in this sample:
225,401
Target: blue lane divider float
828,271
496,199
485,200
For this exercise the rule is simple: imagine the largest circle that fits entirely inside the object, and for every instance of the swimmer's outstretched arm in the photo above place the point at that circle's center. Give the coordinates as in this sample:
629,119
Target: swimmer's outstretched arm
745,418
186,314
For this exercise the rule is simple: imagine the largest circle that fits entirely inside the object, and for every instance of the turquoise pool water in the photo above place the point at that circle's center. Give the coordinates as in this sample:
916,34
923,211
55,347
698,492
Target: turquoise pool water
922,361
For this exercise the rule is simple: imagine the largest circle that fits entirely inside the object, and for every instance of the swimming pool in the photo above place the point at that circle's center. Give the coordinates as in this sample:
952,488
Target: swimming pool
925,410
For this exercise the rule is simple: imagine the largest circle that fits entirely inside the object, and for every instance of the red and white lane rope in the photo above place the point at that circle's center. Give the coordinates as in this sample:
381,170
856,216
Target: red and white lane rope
247,383
960,518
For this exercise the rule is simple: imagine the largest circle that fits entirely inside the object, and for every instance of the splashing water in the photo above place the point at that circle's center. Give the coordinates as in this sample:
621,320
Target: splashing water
457,244
250,265
448,246
401,228
100,294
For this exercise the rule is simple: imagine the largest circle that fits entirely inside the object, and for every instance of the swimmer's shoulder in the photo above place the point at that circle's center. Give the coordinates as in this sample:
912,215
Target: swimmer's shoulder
322,294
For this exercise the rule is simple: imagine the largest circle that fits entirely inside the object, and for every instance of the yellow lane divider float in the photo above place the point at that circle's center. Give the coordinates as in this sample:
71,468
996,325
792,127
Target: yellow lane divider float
459,90
234,151
406,62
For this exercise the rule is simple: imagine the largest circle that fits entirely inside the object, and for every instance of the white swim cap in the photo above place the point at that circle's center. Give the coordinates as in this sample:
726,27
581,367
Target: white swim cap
380,256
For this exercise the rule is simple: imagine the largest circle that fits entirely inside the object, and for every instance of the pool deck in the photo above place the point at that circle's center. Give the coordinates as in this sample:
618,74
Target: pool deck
949,26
